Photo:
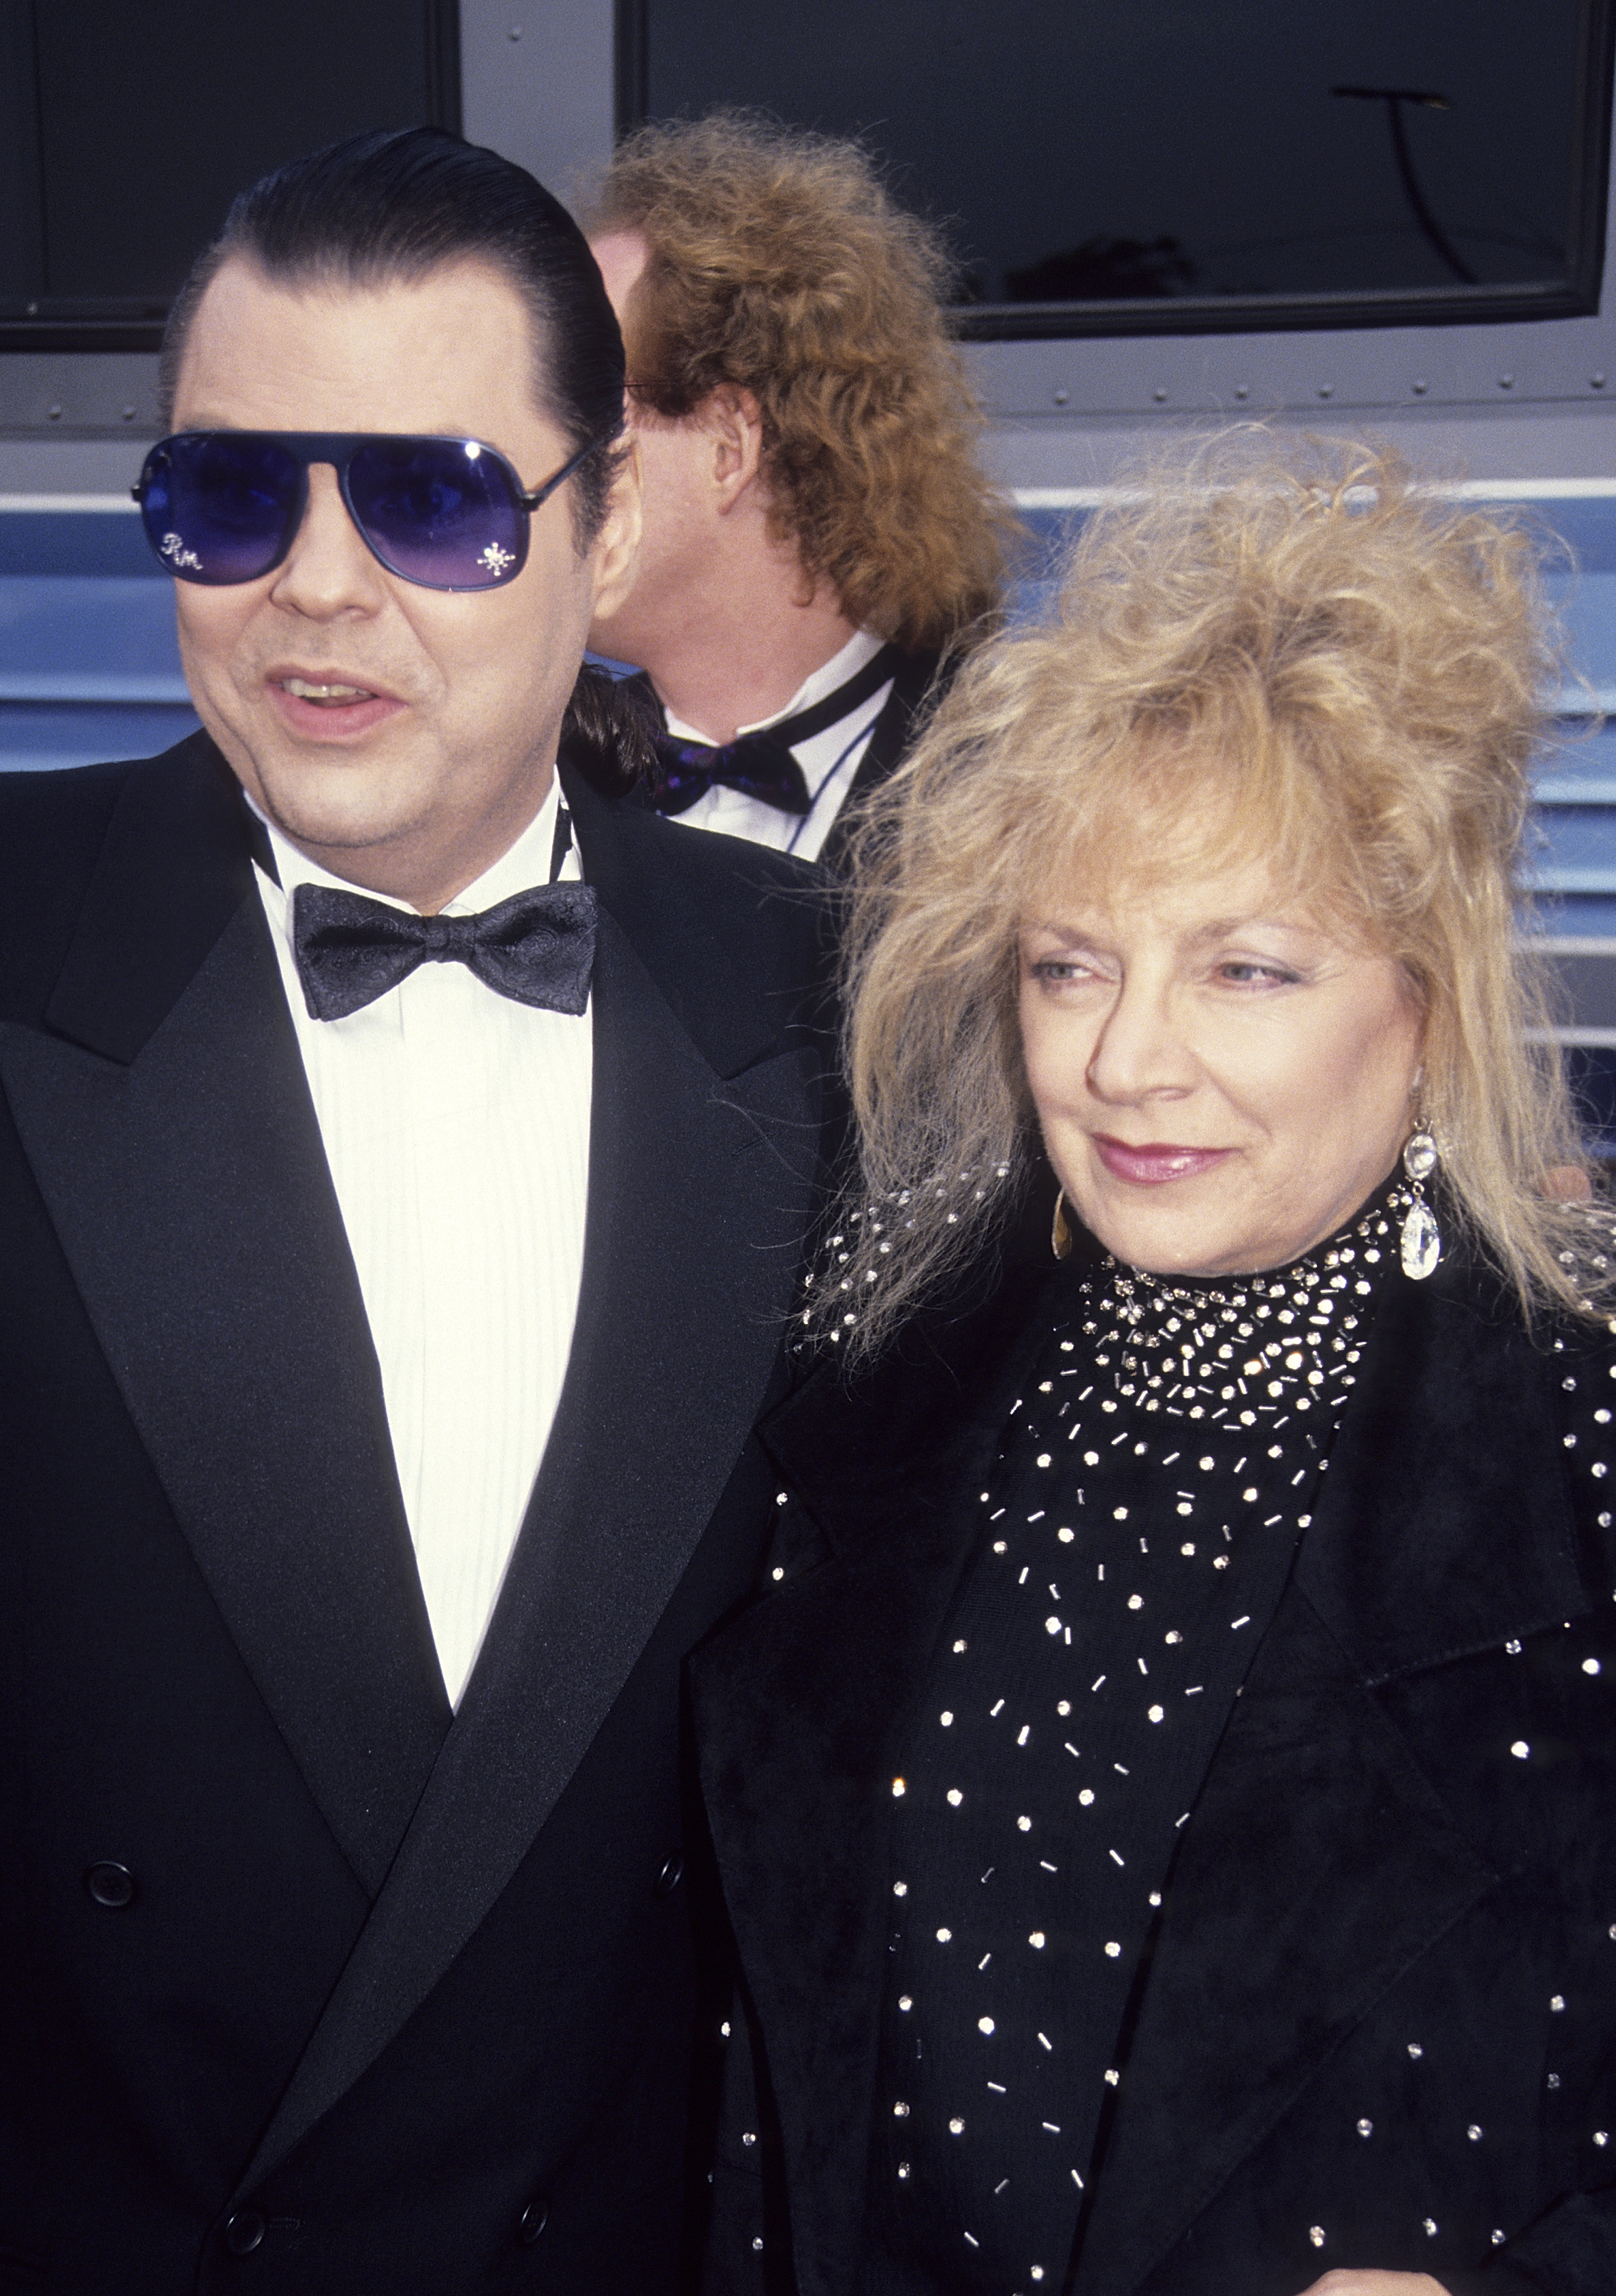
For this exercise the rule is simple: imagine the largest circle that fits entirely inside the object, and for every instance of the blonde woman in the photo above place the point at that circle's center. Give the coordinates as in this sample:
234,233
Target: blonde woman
1163,1793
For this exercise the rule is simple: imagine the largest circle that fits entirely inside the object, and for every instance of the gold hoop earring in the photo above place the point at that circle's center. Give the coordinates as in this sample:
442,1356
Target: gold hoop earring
1060,1229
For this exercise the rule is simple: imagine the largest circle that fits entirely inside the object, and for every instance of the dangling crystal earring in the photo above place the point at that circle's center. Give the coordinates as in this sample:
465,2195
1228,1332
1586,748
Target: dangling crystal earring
1422,1237
1060,1231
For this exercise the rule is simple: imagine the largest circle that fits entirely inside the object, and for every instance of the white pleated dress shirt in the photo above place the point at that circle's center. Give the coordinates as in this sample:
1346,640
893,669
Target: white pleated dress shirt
456,1127
829,761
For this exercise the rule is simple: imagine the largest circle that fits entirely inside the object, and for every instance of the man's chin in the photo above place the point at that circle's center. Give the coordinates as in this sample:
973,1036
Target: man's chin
339,808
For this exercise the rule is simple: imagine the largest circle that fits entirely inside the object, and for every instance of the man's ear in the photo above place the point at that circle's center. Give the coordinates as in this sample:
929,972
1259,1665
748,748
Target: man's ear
617,546
734,423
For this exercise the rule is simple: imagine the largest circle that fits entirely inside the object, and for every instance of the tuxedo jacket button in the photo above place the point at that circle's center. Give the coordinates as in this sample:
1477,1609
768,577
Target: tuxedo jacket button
110,1884
532,2220
244,2231
672,1873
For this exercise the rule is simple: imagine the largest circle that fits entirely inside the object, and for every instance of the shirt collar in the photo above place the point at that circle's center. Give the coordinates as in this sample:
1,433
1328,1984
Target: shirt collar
819,683
524,863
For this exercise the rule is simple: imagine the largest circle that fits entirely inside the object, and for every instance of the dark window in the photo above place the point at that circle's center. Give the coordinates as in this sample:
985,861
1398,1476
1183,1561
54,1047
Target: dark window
1127,165
128,125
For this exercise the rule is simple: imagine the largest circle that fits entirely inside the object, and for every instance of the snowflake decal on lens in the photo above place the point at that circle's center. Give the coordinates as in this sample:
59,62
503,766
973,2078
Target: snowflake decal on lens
174,551
496,559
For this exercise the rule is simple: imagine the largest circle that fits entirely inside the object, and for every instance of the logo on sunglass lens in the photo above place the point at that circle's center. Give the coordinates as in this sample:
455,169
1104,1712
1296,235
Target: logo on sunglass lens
174,551
496,559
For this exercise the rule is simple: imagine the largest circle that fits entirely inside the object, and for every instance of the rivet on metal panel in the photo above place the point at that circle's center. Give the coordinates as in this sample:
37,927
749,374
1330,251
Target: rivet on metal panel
1506,383
1061,395
1160,393
1420,387
1326,391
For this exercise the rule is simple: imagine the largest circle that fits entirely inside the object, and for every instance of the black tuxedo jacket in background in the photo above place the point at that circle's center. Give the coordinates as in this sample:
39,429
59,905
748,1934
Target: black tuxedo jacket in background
914,689
1376,2027
383,1999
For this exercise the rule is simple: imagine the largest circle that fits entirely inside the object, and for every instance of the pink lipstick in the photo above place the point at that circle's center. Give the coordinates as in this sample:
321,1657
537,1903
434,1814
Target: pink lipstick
1156,1162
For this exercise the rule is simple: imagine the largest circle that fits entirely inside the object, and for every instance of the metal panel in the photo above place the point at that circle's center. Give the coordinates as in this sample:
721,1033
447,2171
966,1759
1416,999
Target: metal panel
79,394
1328,375
150,120
535,83
1201,150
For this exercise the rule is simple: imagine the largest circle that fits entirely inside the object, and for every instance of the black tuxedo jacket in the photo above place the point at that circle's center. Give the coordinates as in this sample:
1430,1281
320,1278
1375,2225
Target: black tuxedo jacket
307,1984
1377,2027
892,738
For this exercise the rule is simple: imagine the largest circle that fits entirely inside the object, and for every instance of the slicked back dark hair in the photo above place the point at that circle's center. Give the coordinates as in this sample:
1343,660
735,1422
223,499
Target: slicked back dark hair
397,206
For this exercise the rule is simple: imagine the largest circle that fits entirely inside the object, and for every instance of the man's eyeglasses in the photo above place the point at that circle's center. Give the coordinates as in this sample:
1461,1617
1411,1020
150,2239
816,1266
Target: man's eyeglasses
223,507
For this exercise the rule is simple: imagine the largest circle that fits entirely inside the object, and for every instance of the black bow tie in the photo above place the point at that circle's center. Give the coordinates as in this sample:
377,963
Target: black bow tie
761,765
537,948
756,765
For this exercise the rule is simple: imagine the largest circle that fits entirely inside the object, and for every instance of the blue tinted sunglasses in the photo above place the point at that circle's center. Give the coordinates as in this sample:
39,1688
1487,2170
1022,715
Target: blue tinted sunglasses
222,506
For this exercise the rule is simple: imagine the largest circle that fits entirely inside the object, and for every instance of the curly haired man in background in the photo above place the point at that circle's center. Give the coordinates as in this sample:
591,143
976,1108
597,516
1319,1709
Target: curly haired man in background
818,534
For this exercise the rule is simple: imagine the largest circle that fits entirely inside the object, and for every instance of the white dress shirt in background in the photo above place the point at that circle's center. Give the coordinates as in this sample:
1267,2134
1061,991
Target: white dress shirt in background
456,1126
829,761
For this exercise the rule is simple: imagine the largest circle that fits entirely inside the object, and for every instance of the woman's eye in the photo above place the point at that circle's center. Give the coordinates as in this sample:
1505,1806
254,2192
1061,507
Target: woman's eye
1249,973
1057,970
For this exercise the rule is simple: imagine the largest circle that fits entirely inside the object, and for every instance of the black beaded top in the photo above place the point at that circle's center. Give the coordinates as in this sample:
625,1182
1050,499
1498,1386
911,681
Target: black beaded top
1138,1525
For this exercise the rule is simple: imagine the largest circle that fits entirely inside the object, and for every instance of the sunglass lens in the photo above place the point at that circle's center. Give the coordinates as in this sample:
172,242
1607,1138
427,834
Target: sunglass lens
219,507
438,512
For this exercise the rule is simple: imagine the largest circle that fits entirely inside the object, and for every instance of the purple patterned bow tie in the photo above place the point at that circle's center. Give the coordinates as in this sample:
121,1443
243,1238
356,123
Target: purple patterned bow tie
537,948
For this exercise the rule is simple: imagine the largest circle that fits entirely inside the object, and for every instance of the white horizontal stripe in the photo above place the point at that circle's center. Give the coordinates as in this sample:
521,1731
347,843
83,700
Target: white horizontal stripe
115,687
1023,497
1566,788
1571,880
1456,490
124,502
1529,489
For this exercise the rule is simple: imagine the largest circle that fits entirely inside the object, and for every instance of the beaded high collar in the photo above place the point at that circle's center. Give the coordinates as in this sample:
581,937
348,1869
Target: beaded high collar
1245,1351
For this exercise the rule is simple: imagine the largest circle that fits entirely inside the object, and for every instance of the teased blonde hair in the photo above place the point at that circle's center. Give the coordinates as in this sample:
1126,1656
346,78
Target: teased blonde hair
1342,675
779,265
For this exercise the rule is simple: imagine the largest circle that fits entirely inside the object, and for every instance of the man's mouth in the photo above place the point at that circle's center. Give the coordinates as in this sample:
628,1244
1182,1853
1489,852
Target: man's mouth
329,696
331,708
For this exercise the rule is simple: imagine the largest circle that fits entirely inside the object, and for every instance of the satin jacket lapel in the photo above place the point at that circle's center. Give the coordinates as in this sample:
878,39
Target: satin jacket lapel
1319,1865
169,1128
700,1187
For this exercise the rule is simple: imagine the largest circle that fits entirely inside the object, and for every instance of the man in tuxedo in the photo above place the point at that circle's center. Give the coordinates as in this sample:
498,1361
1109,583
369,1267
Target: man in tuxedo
818,530
405,1155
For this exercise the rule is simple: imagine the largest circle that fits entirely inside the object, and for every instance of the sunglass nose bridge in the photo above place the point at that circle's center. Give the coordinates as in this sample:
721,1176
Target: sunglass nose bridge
321,520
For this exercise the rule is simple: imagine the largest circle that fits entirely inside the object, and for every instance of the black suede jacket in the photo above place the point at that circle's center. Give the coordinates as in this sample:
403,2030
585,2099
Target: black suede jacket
1377,2025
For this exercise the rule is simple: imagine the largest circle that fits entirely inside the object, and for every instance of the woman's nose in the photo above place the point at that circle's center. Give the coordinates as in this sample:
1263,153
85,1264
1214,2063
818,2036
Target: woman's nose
1140,1049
